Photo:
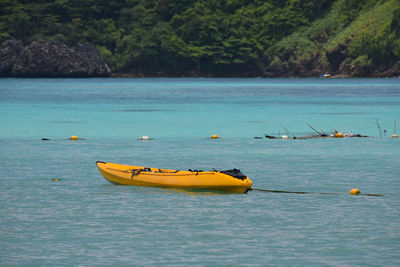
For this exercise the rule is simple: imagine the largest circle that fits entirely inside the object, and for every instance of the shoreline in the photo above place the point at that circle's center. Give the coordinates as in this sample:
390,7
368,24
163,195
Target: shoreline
139,76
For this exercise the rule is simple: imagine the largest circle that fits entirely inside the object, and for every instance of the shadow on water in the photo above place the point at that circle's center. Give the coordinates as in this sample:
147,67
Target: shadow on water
160,190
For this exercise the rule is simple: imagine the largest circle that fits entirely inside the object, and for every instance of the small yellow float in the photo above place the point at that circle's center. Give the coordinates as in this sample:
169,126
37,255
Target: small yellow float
232,181
355,191
338,135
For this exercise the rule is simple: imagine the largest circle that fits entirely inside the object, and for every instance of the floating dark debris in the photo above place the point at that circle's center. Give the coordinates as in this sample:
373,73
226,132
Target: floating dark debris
319,134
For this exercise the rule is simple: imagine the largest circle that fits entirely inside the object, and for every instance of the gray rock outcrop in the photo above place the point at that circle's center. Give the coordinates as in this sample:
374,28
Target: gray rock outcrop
51,59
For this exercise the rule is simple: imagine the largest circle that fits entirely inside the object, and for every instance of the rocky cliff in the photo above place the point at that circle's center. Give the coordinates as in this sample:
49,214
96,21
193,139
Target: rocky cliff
50,59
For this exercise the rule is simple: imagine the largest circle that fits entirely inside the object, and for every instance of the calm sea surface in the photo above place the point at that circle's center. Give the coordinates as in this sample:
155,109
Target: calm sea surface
84,220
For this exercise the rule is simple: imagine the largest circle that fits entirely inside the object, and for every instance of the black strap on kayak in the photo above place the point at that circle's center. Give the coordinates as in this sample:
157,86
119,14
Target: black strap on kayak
196,171
138,171
133,173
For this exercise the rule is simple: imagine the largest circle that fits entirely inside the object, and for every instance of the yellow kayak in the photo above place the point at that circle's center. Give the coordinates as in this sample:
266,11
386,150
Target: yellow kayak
232,181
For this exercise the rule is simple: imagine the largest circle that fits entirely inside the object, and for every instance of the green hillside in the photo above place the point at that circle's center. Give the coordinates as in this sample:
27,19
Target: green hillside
220,38
359,42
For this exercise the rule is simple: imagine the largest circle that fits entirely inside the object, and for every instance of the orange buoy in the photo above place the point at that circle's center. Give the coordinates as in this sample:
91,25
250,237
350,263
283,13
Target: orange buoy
355,191
338,135
214,136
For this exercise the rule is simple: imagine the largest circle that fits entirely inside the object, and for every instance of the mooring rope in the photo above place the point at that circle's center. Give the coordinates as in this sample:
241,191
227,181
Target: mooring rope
301,192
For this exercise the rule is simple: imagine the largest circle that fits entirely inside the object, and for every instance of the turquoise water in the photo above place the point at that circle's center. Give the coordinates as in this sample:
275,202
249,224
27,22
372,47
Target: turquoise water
84,220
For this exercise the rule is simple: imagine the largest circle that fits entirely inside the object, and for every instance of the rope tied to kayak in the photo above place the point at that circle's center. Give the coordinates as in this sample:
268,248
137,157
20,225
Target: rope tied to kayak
301,192
291,192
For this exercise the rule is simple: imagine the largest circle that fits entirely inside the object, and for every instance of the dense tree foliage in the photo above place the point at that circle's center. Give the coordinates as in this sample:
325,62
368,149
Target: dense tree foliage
202,37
